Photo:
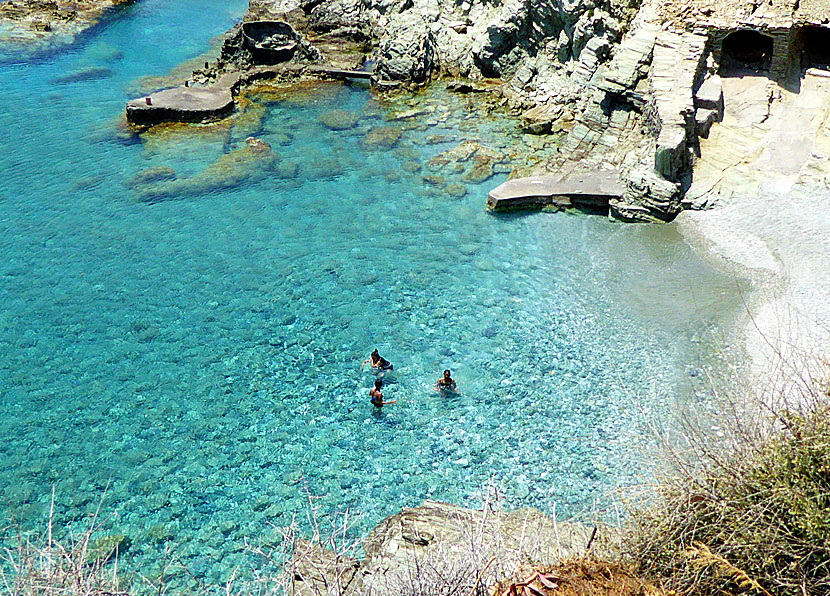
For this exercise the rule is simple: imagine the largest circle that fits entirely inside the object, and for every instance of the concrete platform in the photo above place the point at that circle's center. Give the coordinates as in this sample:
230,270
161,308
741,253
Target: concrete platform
588,189
181,104
198,104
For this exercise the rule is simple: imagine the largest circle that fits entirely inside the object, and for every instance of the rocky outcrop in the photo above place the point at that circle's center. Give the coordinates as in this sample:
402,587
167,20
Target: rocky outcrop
407,51
423,544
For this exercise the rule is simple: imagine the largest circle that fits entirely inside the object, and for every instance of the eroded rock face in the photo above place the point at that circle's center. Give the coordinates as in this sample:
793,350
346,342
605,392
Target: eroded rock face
332,15
648,197
408,51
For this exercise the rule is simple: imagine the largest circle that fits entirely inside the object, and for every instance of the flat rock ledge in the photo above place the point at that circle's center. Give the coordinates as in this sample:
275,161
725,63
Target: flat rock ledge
421,545
595,190
181,104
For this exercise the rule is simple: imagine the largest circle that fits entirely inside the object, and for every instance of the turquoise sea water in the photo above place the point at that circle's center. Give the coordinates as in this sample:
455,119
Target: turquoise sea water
200,356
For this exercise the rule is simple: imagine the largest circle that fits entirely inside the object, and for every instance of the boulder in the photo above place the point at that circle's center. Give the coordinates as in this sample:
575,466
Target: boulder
502,35
339,119
648,197
381,137
540,119
408,51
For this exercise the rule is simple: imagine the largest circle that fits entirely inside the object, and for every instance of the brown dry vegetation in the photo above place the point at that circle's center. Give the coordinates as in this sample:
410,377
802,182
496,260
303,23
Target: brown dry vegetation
579,577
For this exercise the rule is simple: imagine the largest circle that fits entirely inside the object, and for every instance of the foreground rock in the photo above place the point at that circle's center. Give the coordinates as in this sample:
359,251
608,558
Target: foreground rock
429,544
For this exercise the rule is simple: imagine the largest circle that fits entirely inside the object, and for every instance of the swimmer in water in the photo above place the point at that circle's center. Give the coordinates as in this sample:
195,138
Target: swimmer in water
377,396
446,383
377,362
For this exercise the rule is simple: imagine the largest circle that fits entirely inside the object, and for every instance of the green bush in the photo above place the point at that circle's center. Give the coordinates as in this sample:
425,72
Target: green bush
756,518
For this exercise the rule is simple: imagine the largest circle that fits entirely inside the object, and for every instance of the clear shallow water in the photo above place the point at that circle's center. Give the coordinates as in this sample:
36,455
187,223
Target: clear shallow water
201,355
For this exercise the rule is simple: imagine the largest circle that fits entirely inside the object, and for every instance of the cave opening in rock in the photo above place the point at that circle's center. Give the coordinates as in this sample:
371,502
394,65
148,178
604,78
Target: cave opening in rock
747,49
816,42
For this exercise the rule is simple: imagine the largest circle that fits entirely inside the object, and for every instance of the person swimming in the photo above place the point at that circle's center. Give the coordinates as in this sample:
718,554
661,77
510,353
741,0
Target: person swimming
446,384
377,395
377,362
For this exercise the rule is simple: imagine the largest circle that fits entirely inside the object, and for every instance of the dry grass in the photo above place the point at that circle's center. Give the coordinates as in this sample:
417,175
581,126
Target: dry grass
579,577
43,566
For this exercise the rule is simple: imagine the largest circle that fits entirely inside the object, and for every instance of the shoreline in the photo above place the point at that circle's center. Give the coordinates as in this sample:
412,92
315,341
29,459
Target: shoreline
769,219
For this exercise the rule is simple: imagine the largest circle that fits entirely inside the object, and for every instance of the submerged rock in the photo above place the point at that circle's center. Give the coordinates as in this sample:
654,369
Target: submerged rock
90,73
339,119
151,176
456,190
247,164
381,137
100,550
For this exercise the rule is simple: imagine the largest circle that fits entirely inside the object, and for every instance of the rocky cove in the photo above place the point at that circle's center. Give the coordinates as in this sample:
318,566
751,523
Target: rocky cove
596,85
626,93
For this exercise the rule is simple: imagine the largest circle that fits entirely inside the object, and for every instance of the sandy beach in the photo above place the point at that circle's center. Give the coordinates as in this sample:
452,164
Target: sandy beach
764,171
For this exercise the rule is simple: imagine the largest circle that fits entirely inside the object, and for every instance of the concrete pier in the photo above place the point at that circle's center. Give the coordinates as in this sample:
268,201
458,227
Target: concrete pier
199,104
589,189
181,104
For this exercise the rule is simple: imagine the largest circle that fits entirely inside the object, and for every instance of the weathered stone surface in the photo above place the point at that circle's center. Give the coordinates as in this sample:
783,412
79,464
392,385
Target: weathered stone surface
647,198
710,95
332,15
181,104
704,118
408,51
671,156
539,120
500,37
631,61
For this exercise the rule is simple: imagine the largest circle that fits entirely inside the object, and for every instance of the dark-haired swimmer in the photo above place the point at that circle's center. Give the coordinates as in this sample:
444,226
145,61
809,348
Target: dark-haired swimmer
377,361
377,396
446,384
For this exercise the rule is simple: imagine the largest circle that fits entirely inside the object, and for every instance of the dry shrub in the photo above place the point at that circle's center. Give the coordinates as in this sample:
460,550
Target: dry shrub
746,508
579,577
40,565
